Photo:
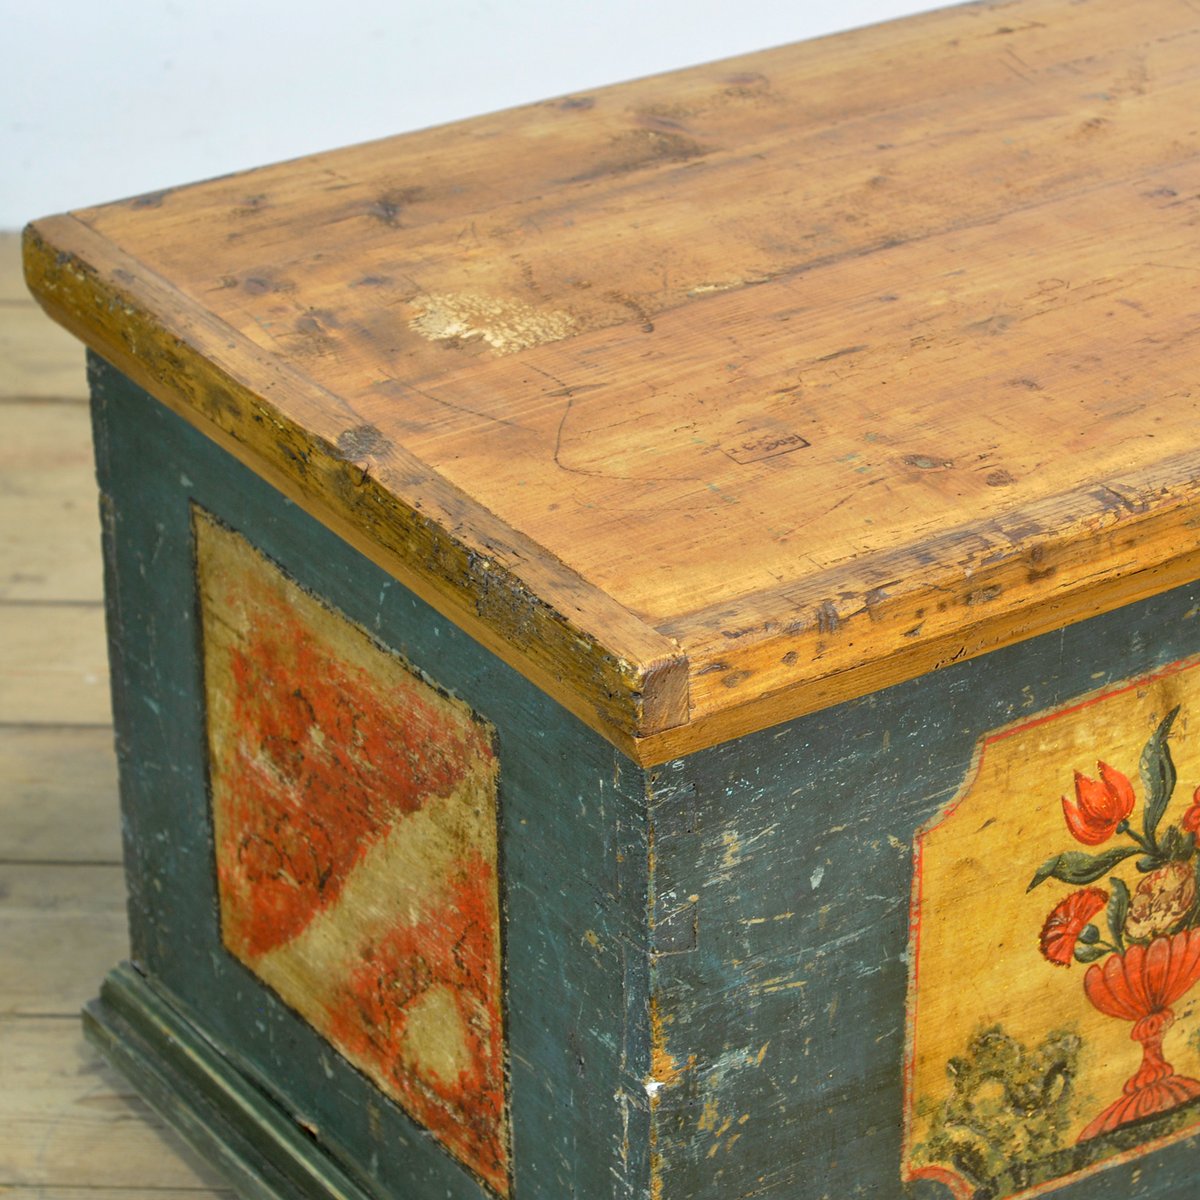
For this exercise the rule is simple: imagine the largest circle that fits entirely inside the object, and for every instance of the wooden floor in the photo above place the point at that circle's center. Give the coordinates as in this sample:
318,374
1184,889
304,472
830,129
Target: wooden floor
69,1126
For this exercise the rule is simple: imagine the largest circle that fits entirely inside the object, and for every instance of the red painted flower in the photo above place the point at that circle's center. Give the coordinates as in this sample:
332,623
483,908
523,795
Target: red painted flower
1066,922
1191,818
1099,805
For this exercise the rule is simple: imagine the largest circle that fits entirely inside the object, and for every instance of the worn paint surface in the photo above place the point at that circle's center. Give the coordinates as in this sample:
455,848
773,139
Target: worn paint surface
1020,1075
570,844
781,878
354,813
706,1000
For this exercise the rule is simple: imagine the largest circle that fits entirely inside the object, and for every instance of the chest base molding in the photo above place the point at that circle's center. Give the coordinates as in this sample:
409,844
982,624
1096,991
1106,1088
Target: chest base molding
199,1091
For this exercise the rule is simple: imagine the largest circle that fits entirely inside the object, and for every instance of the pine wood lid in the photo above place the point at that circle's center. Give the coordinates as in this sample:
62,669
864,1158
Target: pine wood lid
714,398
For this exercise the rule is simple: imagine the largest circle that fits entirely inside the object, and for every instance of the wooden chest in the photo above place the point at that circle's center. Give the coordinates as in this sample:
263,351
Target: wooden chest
655,635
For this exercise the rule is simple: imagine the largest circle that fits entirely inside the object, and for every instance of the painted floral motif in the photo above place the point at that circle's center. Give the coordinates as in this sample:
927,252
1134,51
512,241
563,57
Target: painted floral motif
1100,805
1054,966
1146,956
1068,920
1190,823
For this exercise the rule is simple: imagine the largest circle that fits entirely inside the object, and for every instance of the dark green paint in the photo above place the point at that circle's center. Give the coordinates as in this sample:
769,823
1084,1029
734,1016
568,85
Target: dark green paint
813,818
573,841
237,1127
826,807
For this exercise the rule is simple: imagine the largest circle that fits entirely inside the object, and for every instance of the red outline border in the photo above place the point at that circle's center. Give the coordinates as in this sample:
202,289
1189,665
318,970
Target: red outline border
959,1187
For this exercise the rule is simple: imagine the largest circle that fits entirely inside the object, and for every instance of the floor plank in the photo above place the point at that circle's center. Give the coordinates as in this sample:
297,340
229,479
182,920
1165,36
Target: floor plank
109,1193
37,357
58,796
70,1127
43,445
77,910
53,665
50,550
49,513
12,280
106,1193
68,1122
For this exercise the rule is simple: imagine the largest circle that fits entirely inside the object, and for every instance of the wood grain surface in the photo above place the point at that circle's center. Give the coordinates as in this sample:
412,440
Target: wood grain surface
69,1126
711,399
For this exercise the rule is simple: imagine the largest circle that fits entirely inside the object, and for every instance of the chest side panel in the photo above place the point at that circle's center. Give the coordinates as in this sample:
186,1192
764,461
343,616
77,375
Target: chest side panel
402,889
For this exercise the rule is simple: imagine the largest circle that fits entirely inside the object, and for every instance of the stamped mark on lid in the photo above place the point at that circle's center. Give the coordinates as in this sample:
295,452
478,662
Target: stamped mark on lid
756,447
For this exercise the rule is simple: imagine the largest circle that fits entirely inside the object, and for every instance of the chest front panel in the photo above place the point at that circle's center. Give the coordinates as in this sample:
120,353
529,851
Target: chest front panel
885,963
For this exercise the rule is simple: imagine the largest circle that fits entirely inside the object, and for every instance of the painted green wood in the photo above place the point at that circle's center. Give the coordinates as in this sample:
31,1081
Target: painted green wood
706,964
207,1098
785,982
573,839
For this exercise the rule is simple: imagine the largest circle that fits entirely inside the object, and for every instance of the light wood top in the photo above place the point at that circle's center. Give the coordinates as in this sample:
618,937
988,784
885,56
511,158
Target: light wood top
710,399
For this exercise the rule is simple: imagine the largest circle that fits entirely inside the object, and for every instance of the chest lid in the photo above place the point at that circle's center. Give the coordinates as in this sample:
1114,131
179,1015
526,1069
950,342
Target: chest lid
710,399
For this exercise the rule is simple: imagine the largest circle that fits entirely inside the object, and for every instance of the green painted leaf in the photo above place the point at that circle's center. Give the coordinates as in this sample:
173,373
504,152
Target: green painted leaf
1172,844
1158,774
1118,909
1089,954
1044,872
1073,866
1089,934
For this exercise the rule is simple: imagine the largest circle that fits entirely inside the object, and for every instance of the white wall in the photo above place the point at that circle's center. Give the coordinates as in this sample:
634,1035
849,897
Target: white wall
101,99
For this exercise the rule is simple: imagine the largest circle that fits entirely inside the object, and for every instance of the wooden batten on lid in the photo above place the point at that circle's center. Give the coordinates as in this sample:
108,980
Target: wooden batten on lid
709,400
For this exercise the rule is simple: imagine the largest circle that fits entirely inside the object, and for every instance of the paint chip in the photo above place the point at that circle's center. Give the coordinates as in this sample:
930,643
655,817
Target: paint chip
506,325
815,878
